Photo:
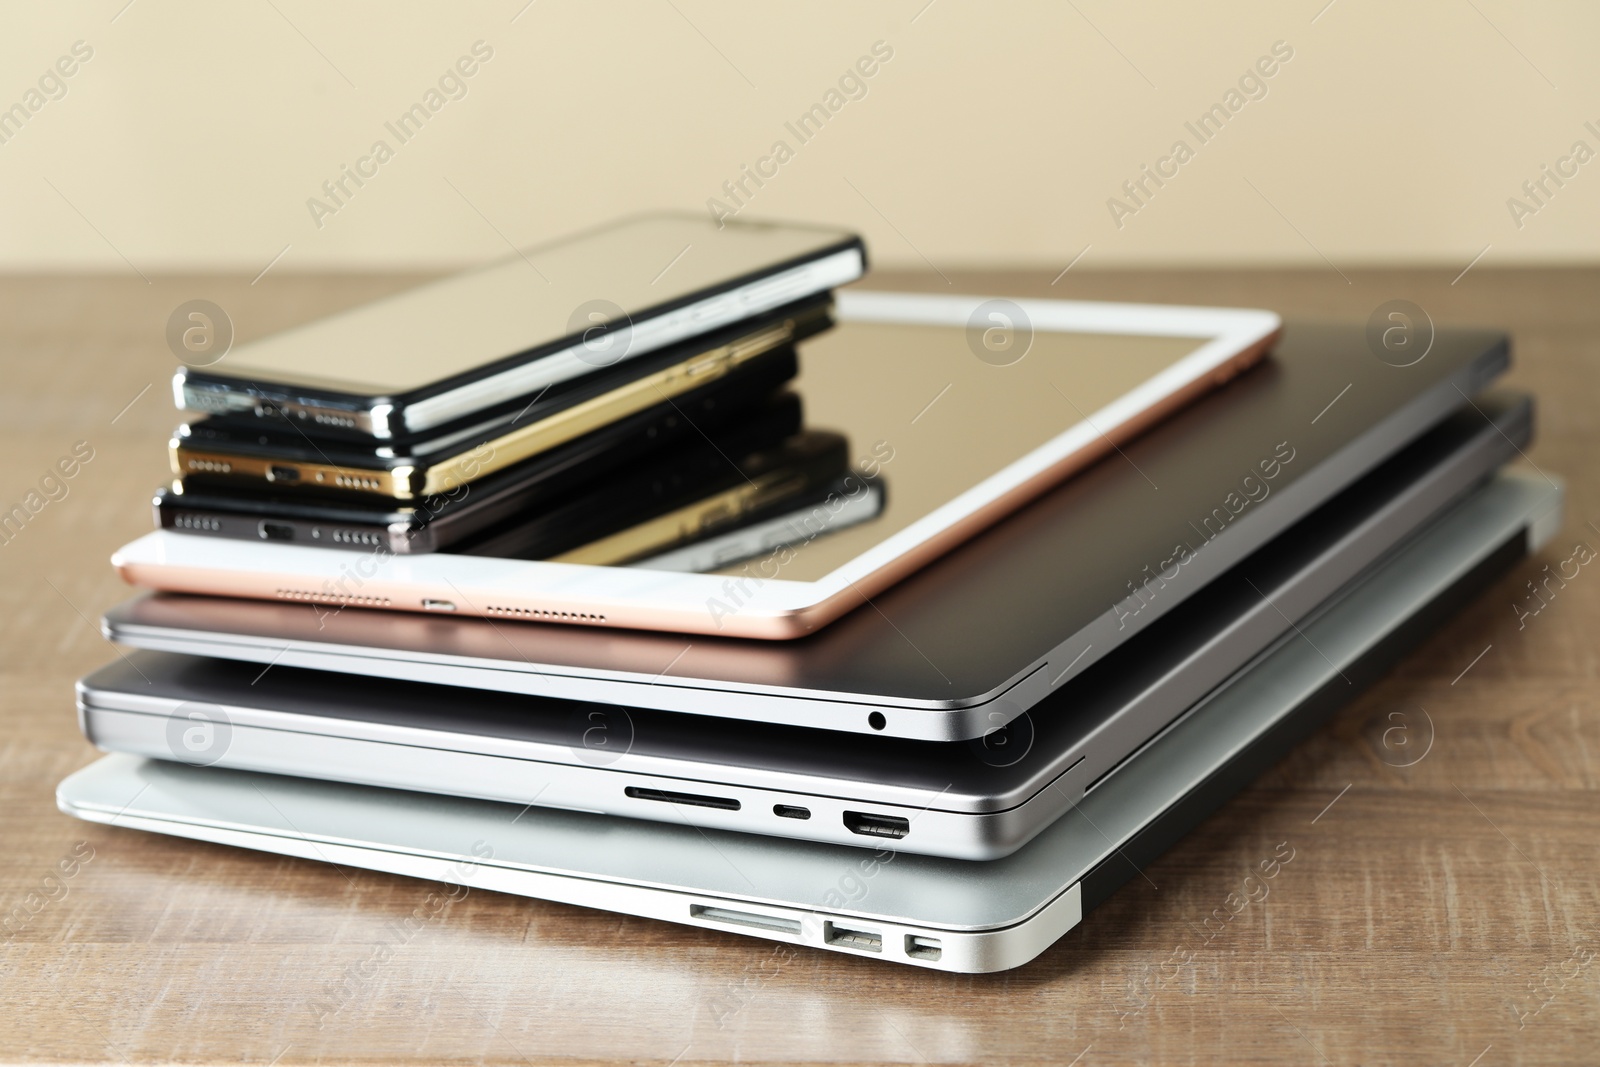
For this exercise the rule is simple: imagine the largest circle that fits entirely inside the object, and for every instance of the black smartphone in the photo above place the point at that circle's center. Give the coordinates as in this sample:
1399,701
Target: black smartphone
226,452
434,355
435,523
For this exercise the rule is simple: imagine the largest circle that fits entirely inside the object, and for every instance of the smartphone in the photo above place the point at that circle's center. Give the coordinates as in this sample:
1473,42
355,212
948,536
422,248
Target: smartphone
728,480
437,522
224,453
437,354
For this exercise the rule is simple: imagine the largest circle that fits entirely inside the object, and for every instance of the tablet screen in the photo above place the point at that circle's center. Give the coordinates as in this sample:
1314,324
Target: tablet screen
926,419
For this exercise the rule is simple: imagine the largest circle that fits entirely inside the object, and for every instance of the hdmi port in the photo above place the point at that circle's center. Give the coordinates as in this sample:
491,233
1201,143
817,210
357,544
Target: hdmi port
870,825
694,800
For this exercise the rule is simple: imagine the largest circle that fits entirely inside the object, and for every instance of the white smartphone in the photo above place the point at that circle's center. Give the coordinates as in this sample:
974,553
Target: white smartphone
964,407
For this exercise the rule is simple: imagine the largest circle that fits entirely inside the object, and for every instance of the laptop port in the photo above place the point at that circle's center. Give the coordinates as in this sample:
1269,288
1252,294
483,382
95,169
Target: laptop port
774,923
791,811
694,800
923,948
276,531
868,824
846,937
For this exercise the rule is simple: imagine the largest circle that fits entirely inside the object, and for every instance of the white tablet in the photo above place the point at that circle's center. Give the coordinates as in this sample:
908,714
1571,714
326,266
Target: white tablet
959,408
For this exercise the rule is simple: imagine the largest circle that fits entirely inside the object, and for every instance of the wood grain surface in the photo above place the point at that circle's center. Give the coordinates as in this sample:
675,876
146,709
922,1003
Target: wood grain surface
1441,913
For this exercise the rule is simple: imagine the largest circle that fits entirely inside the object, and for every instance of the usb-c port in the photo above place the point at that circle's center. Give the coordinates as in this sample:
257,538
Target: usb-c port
276,531
279,473
791,811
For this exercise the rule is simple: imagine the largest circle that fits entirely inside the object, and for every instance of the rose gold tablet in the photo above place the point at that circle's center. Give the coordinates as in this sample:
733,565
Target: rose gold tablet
959,408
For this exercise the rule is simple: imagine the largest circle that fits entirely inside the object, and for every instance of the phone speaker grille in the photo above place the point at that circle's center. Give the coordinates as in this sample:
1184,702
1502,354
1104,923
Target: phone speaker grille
544,615
342,599
333,420
355,481
196,522
211,466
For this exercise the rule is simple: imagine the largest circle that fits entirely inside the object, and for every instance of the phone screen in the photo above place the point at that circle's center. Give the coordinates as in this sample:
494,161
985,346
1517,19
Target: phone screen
540,295
929,419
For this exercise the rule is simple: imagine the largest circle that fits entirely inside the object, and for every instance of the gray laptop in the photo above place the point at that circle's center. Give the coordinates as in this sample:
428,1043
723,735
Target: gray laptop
930,912
973,639
972,800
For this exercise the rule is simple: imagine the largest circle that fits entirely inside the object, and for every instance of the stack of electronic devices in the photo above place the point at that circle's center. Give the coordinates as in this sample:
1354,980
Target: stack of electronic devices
642,571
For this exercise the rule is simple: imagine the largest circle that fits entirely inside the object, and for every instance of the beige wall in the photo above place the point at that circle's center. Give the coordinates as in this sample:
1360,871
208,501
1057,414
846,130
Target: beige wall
996,132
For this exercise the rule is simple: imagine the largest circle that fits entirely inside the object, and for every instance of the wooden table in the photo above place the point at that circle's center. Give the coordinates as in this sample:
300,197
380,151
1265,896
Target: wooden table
1442,913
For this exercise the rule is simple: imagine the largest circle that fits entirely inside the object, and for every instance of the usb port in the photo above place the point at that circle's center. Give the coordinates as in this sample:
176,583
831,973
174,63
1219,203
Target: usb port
923,948
845,937
279,473
438,605
276,531
694,800
776,924
791,811
869,824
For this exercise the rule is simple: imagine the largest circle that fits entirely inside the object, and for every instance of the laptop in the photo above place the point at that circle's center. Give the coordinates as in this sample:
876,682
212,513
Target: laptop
971,800
924,911
973,639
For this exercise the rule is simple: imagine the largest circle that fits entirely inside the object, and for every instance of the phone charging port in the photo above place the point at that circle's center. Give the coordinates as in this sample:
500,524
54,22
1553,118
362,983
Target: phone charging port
279,473
276,531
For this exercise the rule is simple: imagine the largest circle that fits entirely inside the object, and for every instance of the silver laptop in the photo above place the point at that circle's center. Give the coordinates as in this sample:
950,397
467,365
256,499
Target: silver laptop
930,912
976,637
972,800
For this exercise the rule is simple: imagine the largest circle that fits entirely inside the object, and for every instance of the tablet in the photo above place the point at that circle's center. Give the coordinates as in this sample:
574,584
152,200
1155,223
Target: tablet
969,406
